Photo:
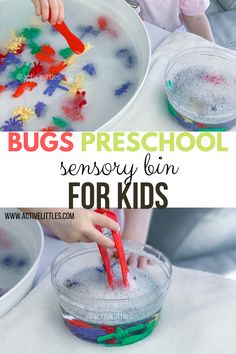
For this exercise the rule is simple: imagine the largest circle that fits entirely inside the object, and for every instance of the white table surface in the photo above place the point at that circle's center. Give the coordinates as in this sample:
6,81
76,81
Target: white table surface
156,34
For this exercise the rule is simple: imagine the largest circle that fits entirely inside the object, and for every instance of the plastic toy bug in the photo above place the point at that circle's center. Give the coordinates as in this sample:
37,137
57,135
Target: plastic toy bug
89,69
127,57
14,124
40,109
12,85
44,57
23,87
123,89
103,25
22,72
36,70
54,70
54,84
9,59
72,108
88,30
47,49
24,113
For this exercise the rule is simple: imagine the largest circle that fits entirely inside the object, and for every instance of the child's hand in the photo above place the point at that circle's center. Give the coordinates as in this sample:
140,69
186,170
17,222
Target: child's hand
45,8
133,260
83,228
136,261
80,229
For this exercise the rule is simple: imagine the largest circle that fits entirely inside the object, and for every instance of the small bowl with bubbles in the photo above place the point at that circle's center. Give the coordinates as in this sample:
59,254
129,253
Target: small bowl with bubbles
112,317
201,89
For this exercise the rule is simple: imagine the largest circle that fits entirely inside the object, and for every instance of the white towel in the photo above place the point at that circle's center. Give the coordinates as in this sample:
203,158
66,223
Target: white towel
149,111
198,317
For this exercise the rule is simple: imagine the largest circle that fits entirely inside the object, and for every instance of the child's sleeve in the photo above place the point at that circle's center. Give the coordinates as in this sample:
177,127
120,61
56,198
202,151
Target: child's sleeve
193,7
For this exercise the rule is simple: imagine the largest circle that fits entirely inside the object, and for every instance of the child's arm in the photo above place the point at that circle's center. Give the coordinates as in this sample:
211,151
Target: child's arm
44,8
137,222
80,229
199,25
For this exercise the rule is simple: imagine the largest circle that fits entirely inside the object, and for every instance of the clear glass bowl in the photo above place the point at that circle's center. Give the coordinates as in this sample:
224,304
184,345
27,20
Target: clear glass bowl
115,316
201,88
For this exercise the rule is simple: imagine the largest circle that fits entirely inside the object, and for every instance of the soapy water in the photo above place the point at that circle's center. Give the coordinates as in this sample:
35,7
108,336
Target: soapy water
15,260
115,305
93,282
108,73
204,92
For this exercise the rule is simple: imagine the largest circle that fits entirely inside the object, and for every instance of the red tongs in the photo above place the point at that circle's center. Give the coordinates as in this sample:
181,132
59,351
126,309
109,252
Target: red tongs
75,44
120,252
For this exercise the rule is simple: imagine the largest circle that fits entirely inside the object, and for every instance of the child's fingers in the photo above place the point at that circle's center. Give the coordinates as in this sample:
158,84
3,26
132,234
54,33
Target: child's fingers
45,10
105,221
54,8
142,262
61,14
132,260
37,5
96,236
